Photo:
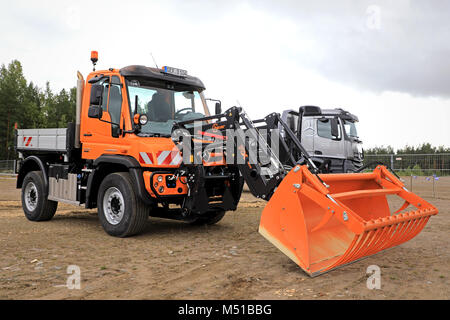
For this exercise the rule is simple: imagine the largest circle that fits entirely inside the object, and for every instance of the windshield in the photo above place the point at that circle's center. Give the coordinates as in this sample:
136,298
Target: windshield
350,129
163,107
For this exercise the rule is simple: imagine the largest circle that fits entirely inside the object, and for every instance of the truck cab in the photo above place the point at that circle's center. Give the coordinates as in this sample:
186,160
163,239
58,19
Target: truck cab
120,157
115,98
328,135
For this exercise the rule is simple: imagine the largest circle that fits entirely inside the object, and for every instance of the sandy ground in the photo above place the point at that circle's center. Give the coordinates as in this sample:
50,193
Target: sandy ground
230,260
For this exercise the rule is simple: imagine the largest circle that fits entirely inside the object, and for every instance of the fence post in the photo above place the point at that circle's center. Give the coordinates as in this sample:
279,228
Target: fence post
392,162
434,193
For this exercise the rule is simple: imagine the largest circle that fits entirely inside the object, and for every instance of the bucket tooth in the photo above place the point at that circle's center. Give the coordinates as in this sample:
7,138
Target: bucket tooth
321,228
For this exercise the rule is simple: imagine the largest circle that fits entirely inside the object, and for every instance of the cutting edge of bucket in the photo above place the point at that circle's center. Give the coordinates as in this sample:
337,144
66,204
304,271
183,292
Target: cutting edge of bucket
294,258
266,234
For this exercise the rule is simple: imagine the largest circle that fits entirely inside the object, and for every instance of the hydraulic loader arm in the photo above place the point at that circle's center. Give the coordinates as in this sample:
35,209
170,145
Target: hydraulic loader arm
248,147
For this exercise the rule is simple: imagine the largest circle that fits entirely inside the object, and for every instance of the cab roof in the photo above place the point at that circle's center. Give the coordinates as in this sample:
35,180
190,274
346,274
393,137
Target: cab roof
309,111
340,113
139,71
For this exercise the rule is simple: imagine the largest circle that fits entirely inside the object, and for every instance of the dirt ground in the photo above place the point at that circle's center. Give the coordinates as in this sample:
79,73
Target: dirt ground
230,260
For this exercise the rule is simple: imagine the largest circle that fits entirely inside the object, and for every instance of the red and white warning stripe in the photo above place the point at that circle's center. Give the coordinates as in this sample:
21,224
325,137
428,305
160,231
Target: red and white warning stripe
166,157
145,157
27,141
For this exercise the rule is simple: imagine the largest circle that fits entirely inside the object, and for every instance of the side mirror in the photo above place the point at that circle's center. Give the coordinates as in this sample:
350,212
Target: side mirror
188,95
218,108
96,95
95,112
335,128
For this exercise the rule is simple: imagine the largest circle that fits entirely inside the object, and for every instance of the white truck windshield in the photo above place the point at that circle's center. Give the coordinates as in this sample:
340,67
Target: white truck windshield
350,129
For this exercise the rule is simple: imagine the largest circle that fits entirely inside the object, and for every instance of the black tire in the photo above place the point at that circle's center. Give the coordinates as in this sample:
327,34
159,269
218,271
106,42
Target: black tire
209,218
35,205
117,191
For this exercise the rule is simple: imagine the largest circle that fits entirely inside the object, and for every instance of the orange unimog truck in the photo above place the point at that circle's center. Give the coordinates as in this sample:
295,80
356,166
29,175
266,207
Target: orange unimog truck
130,155
119,155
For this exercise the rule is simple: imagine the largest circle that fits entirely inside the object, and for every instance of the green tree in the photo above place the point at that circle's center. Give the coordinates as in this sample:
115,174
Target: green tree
18,103
59,109
30,107
379,150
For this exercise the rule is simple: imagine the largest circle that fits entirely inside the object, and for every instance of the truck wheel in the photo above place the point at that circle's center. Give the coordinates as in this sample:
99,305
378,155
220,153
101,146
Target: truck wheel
120,210
209,218
35,205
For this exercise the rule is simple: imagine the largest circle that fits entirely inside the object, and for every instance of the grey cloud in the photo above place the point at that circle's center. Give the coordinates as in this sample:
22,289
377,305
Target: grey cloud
408,53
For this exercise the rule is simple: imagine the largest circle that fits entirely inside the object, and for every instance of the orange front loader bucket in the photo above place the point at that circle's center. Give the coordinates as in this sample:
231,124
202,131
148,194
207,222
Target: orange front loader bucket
323,228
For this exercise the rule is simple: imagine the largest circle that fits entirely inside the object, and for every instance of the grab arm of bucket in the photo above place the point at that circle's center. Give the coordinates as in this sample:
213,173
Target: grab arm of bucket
313,179
382,172
317,192
409,197
403,207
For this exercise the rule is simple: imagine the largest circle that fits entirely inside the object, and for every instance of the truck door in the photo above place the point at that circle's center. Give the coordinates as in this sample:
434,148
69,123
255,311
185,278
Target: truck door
328,138
101,137
307,135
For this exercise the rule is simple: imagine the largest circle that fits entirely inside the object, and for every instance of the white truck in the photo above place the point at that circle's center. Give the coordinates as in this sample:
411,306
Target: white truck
330,136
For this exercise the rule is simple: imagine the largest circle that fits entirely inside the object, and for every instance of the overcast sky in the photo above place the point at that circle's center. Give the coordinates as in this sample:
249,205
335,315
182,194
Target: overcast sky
385,61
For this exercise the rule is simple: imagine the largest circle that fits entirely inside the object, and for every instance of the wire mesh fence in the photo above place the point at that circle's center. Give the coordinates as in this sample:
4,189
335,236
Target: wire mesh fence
7,166
432,186
426,174
437,164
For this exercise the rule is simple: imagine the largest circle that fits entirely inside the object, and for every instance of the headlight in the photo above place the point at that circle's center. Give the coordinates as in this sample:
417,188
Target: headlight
360,148
143,119
160,178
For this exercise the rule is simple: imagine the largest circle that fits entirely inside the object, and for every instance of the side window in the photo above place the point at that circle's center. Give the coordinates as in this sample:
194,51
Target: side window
115,104
292,122
105,83
325,129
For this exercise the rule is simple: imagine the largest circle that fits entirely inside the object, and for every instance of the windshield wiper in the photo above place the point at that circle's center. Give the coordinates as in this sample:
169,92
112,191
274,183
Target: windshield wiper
158,135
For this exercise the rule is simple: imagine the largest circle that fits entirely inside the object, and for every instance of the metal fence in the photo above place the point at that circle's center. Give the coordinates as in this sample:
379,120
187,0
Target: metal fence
7,166
437,164
428,175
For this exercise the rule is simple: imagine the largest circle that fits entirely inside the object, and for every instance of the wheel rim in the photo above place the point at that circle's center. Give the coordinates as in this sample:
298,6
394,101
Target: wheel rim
31,196
113,205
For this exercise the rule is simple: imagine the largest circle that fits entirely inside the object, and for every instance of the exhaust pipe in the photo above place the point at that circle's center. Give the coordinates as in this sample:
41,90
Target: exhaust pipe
80,88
